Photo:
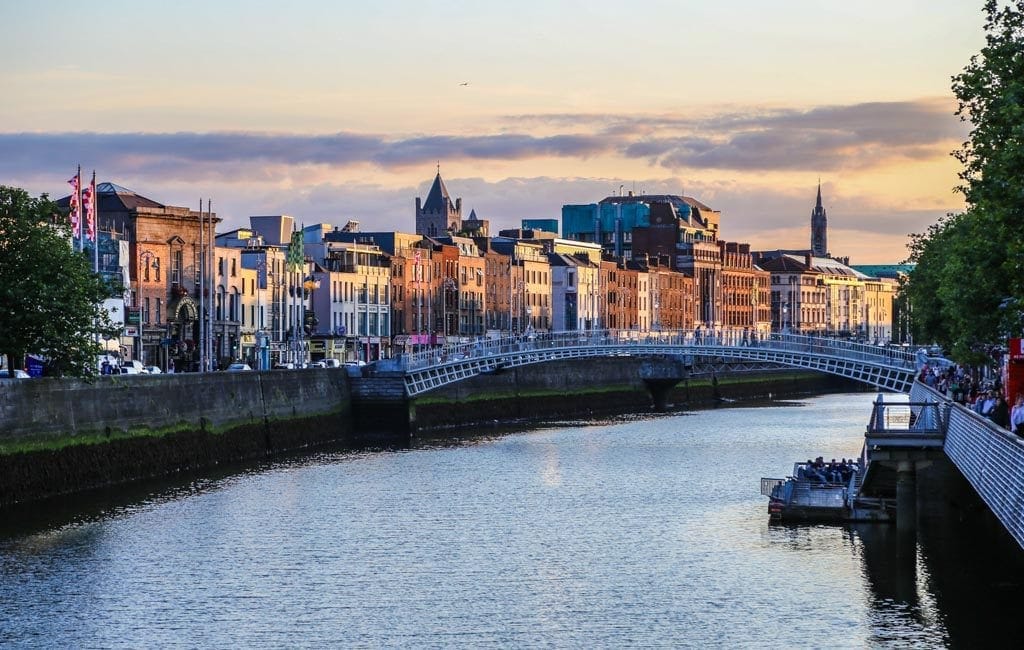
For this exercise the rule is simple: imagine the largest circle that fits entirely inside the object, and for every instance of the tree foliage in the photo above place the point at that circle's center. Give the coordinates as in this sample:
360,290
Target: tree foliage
967,290
51,301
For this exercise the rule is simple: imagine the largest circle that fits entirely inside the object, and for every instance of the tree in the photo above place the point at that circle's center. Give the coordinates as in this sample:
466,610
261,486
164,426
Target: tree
51,301
967,290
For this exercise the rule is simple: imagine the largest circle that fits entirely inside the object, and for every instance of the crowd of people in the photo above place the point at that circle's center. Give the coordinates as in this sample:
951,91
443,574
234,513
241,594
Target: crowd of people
984,397
835,472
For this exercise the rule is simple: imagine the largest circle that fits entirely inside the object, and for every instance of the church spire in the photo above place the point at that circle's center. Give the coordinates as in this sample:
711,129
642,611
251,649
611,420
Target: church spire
819,228
438,214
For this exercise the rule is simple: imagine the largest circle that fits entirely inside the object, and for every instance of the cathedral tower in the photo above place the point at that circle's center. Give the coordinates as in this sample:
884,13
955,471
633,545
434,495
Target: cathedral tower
438,216
819,228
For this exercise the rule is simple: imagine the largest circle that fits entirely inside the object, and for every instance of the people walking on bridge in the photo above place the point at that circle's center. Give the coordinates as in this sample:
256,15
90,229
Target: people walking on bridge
1000,413
1017,415
986,402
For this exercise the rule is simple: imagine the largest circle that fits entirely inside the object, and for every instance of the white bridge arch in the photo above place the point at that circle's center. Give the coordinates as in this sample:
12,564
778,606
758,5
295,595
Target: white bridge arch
887,368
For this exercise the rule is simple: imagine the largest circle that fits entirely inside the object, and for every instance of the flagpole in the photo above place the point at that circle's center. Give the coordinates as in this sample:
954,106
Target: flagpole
78,190
202,302
95,209
94,218
211,281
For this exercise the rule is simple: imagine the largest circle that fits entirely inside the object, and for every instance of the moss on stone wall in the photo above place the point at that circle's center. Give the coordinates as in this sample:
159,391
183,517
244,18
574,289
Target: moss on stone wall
465,408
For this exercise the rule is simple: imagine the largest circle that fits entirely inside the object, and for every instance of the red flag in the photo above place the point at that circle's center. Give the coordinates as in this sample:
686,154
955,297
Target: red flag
76,183
89,203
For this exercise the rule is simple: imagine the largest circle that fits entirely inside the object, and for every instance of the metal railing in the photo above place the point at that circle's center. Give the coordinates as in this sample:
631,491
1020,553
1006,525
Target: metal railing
987,455
992,460
887,368
768,485
693,341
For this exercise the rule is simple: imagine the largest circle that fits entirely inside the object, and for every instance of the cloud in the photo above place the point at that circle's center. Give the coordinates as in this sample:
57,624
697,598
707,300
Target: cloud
825,138
822,138
731,159
163,153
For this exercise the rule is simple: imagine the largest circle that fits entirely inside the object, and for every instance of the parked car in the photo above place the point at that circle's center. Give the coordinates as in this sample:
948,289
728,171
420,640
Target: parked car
18,374
132,367
316,364
332,363
152,370
355,362
284,365
238,367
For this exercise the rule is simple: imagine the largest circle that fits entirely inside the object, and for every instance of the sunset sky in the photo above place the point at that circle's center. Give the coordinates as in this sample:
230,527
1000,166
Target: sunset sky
330,111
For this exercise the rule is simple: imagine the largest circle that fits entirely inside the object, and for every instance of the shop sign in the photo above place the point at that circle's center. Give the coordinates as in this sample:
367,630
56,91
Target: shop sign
131,330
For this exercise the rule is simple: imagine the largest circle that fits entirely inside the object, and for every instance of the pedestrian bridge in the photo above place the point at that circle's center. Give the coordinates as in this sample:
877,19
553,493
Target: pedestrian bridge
887,368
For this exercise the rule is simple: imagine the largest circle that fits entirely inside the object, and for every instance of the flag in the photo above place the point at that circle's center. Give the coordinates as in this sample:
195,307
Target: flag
89,208
75,183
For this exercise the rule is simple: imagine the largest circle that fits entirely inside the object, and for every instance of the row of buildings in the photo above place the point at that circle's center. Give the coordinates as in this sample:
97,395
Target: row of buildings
272,292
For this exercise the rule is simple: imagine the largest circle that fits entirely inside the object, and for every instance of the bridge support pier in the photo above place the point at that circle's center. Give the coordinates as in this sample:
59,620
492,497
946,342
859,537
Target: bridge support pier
659,390
906,496
660,375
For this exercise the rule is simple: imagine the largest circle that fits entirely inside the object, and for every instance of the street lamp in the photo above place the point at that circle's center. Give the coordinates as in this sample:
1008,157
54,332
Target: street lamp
309,285
148,260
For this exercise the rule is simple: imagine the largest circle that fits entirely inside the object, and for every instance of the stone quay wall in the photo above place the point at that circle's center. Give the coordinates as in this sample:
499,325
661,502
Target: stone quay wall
63,435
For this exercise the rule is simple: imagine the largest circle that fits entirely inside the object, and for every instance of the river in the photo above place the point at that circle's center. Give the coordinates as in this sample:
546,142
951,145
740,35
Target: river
635,532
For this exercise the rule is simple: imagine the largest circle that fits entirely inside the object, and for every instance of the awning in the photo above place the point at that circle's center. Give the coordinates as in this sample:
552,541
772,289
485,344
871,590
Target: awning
400,339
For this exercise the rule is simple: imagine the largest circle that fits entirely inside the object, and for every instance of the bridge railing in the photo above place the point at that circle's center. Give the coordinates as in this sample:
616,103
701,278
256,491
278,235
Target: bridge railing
700,340
992,460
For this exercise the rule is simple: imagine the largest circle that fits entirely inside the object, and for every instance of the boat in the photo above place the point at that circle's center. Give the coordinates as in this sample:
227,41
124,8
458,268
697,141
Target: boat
806,497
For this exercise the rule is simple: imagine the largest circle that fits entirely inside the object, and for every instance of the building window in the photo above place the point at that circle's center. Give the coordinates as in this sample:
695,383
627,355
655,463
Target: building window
145,311
176,264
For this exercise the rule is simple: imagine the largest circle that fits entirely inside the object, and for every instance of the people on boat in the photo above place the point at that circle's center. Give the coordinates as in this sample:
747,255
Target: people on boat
834,472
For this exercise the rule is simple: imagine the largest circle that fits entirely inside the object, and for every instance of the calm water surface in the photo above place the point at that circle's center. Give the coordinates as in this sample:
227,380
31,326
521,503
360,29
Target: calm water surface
637,532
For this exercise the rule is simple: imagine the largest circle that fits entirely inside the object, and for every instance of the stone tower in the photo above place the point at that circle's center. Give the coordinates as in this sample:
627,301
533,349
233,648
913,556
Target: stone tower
819,228
438,216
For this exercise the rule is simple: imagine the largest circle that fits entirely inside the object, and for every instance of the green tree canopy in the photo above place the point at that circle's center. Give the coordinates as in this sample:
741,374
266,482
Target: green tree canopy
51,301
967,290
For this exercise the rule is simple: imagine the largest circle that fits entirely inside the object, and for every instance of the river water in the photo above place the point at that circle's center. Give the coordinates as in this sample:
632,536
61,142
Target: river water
636,532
